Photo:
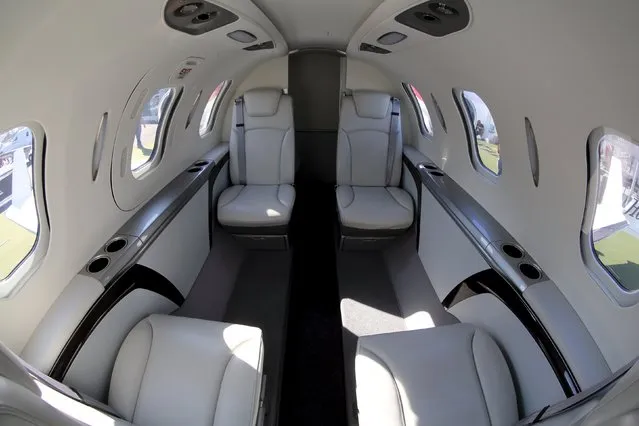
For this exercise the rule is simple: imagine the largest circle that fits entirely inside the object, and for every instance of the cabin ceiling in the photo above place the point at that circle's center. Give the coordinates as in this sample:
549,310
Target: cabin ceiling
312,23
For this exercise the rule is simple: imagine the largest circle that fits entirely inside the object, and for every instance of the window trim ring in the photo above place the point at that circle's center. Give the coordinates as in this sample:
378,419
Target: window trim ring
598,272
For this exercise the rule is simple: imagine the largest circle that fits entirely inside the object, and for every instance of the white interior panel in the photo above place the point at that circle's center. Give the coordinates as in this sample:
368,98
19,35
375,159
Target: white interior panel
535,382
272,73
363,76
446,253
181,249
571,336
61,320
73,69
517,56
311,23
90,372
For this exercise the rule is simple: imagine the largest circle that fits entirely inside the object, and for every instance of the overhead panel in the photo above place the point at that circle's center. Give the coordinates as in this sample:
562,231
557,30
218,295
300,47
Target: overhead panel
196,17
436,17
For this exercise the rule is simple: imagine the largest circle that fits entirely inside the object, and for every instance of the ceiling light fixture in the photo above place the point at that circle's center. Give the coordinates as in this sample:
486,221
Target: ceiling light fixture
242,36
391,38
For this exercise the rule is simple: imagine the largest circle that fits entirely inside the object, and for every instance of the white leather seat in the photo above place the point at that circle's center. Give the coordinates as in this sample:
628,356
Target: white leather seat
184,371
450,375
369,167
262,165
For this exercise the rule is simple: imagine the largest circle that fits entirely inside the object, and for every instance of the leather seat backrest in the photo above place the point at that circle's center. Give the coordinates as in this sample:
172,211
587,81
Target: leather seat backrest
269,139
364,138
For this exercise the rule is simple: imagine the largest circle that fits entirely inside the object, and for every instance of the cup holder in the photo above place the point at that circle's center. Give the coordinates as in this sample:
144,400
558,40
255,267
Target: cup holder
435,173
194,169
530,271
200,163
512,251
98,264
115,245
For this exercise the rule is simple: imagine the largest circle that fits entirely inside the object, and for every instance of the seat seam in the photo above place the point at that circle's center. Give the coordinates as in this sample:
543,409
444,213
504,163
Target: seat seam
396,200
219,393
146,364
596,408
279,170
279,199
353,200
390,372
350,157
236,195
481,387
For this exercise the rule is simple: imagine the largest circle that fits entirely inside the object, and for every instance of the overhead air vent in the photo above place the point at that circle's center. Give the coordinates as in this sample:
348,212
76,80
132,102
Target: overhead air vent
242,36
196,17
261,46
391,38
365,47
437,18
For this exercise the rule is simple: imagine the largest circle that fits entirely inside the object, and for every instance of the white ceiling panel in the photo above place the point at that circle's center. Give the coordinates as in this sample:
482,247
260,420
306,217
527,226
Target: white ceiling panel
317,23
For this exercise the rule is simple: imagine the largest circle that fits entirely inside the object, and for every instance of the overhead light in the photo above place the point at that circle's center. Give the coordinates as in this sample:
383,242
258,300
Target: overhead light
242,36
391,38
188,9
443,9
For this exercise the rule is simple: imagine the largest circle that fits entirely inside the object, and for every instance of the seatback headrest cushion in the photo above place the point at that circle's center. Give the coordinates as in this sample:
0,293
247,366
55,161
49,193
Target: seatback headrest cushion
262,102
370,104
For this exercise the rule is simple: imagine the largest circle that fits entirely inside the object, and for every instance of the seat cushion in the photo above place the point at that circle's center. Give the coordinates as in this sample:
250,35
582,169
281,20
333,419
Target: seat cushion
255,206
182,371
450,375
363,208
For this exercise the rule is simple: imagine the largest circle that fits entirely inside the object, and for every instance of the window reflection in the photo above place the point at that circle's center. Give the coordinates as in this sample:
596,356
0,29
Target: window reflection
19,224
484,131
145,141
615,229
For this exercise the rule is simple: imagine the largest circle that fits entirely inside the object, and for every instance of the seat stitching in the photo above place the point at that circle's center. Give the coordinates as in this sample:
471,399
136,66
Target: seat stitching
387,368
236,195
396,200
146,364
472,349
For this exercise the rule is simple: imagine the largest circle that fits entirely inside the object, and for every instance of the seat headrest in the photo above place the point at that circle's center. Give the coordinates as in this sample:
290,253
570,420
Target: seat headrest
369,104
262,102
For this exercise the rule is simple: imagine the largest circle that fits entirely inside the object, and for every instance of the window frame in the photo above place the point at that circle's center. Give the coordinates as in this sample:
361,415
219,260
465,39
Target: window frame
160,135
17,278
598,271
471,137
429,134
210,124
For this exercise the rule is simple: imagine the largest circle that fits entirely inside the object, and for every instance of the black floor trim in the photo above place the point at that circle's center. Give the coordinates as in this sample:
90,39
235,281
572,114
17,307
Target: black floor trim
313,391
137,277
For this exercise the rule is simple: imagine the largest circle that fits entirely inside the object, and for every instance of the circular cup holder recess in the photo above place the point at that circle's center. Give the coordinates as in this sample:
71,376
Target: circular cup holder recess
512,251
98,264
428,17
194,169
430,167
436,173
200,163
115,245
530,271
